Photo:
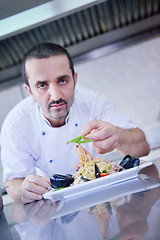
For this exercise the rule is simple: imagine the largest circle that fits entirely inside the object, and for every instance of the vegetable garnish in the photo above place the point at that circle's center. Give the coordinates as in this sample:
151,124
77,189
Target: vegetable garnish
104,174
56,189
79,140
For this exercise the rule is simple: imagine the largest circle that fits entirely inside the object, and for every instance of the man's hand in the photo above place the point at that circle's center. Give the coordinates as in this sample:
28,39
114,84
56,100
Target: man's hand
33,187
107,137
103,134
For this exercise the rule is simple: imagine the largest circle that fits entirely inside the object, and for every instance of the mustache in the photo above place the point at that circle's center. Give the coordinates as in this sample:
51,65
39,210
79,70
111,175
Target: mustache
57,102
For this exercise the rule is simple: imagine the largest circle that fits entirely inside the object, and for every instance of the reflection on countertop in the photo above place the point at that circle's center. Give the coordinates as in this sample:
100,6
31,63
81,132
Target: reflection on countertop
132,216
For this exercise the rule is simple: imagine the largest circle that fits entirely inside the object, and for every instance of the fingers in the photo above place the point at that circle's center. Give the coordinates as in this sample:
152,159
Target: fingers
29,197
103,134
38,180
98,130
98,134
106,145
33,188
91,126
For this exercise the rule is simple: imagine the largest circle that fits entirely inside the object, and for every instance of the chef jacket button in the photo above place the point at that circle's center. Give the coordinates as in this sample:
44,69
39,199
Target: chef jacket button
76,124
50,160
43,133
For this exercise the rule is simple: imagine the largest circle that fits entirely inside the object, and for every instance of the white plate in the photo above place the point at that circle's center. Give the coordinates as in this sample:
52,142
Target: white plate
101,190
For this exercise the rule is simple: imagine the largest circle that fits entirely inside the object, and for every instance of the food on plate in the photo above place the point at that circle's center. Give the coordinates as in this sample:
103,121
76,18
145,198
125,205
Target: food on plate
90,168
129,162
61,181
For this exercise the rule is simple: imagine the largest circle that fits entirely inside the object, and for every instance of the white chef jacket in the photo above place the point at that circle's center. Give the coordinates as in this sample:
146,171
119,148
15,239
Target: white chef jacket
29,142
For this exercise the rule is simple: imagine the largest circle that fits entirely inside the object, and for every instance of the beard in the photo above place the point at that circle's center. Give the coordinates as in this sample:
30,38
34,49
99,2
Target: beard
58,113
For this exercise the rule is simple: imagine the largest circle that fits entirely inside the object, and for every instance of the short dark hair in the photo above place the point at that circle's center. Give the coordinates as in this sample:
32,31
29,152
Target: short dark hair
44,50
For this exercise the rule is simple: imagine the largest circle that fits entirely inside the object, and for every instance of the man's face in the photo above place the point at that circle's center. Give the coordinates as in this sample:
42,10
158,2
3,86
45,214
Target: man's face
52,85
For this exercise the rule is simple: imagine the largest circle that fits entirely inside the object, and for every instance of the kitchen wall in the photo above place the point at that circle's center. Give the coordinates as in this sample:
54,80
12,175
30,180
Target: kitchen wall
130,78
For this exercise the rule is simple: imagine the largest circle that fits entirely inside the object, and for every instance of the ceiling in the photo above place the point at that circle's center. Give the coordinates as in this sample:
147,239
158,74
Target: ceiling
81,26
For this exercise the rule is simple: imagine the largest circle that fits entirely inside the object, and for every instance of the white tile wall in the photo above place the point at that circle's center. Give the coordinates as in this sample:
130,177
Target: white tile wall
8,99
130,78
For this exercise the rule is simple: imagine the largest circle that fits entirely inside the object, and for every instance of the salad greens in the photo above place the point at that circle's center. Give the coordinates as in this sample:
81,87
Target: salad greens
79,140
56,189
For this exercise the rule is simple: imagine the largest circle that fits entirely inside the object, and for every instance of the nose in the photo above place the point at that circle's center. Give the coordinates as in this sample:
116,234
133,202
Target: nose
54,92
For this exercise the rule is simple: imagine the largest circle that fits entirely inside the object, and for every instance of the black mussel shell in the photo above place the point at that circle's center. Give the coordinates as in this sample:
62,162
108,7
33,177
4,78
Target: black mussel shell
129,162
97,171
61,181
136,162
126,162
85,179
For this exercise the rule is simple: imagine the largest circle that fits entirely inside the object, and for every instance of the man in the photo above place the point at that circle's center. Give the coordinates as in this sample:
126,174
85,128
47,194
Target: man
35,132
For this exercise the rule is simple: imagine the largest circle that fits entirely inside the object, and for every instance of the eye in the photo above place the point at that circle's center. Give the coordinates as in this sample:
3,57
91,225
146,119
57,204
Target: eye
42,85
63,81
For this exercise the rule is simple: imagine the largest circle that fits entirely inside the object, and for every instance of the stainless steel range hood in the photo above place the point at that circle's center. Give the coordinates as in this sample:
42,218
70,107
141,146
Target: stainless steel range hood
40,15
81,26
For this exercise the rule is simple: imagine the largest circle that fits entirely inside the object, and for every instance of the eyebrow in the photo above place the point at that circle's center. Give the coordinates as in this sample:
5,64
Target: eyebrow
63,76
40,82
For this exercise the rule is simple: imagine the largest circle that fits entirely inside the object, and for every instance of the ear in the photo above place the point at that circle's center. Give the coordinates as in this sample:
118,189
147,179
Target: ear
75,78
27,88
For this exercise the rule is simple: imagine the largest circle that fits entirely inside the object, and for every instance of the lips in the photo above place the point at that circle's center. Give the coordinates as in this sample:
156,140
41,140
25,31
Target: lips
57,106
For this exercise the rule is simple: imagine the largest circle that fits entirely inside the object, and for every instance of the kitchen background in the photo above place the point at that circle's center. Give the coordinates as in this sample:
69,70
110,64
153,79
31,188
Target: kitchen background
130,78
128,74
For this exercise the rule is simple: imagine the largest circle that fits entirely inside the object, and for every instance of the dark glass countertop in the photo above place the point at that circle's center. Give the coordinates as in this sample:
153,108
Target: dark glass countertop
132,216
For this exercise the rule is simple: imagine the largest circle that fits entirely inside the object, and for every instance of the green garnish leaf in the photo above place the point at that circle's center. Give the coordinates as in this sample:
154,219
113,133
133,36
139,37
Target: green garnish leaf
57,189
75,140
79,140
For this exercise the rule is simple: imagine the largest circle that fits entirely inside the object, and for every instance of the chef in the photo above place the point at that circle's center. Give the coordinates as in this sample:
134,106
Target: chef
35,132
